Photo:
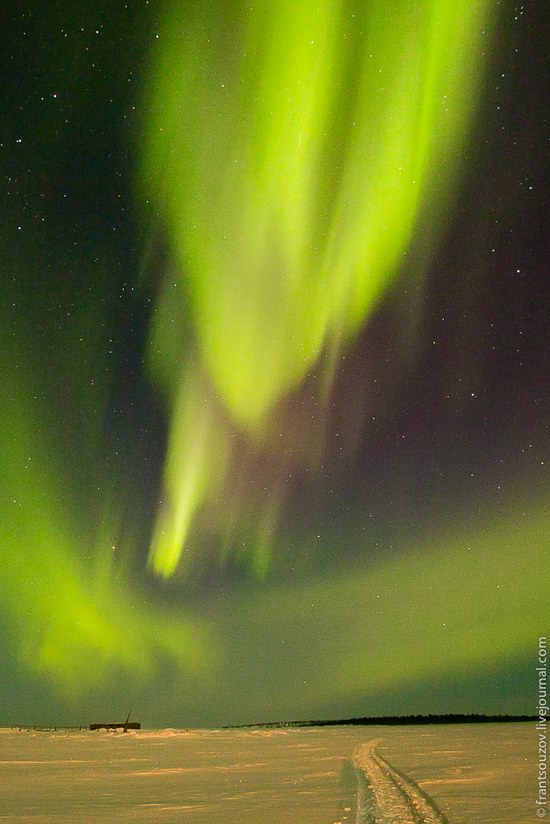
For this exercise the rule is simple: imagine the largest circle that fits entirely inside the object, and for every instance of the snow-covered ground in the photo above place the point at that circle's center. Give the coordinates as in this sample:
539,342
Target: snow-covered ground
463,774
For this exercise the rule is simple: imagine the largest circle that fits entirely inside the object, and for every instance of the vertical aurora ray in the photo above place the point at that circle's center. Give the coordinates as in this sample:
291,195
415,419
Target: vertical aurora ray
292,152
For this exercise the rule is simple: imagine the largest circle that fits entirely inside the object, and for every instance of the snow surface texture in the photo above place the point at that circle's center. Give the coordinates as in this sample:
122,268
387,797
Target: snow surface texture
475,774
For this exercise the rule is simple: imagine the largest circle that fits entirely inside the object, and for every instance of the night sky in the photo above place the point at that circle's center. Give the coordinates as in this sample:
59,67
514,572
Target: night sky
275,359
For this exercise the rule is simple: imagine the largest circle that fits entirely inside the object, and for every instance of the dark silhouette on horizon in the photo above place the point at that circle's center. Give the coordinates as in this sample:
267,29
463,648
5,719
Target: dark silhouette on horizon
401,720
125,725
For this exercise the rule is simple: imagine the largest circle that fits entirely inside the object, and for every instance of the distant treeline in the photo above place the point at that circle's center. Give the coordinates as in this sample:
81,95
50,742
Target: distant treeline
401,720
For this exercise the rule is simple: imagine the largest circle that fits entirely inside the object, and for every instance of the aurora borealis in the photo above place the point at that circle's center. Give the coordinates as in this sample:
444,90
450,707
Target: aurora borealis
290,179
274,388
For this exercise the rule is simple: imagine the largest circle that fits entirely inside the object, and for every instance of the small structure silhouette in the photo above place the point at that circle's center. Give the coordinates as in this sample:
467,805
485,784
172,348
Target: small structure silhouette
124,725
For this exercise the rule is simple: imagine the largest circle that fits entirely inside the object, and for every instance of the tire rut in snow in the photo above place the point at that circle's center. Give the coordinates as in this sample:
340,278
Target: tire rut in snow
394,797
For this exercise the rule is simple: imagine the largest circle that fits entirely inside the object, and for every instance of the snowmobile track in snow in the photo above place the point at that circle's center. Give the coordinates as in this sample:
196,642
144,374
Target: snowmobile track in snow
391,797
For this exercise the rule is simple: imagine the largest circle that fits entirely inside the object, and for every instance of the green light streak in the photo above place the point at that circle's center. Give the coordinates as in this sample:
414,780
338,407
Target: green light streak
71,616
291,150
458,602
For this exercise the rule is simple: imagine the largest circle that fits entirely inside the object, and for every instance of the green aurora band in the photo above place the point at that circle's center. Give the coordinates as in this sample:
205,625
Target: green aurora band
69,614
291,150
